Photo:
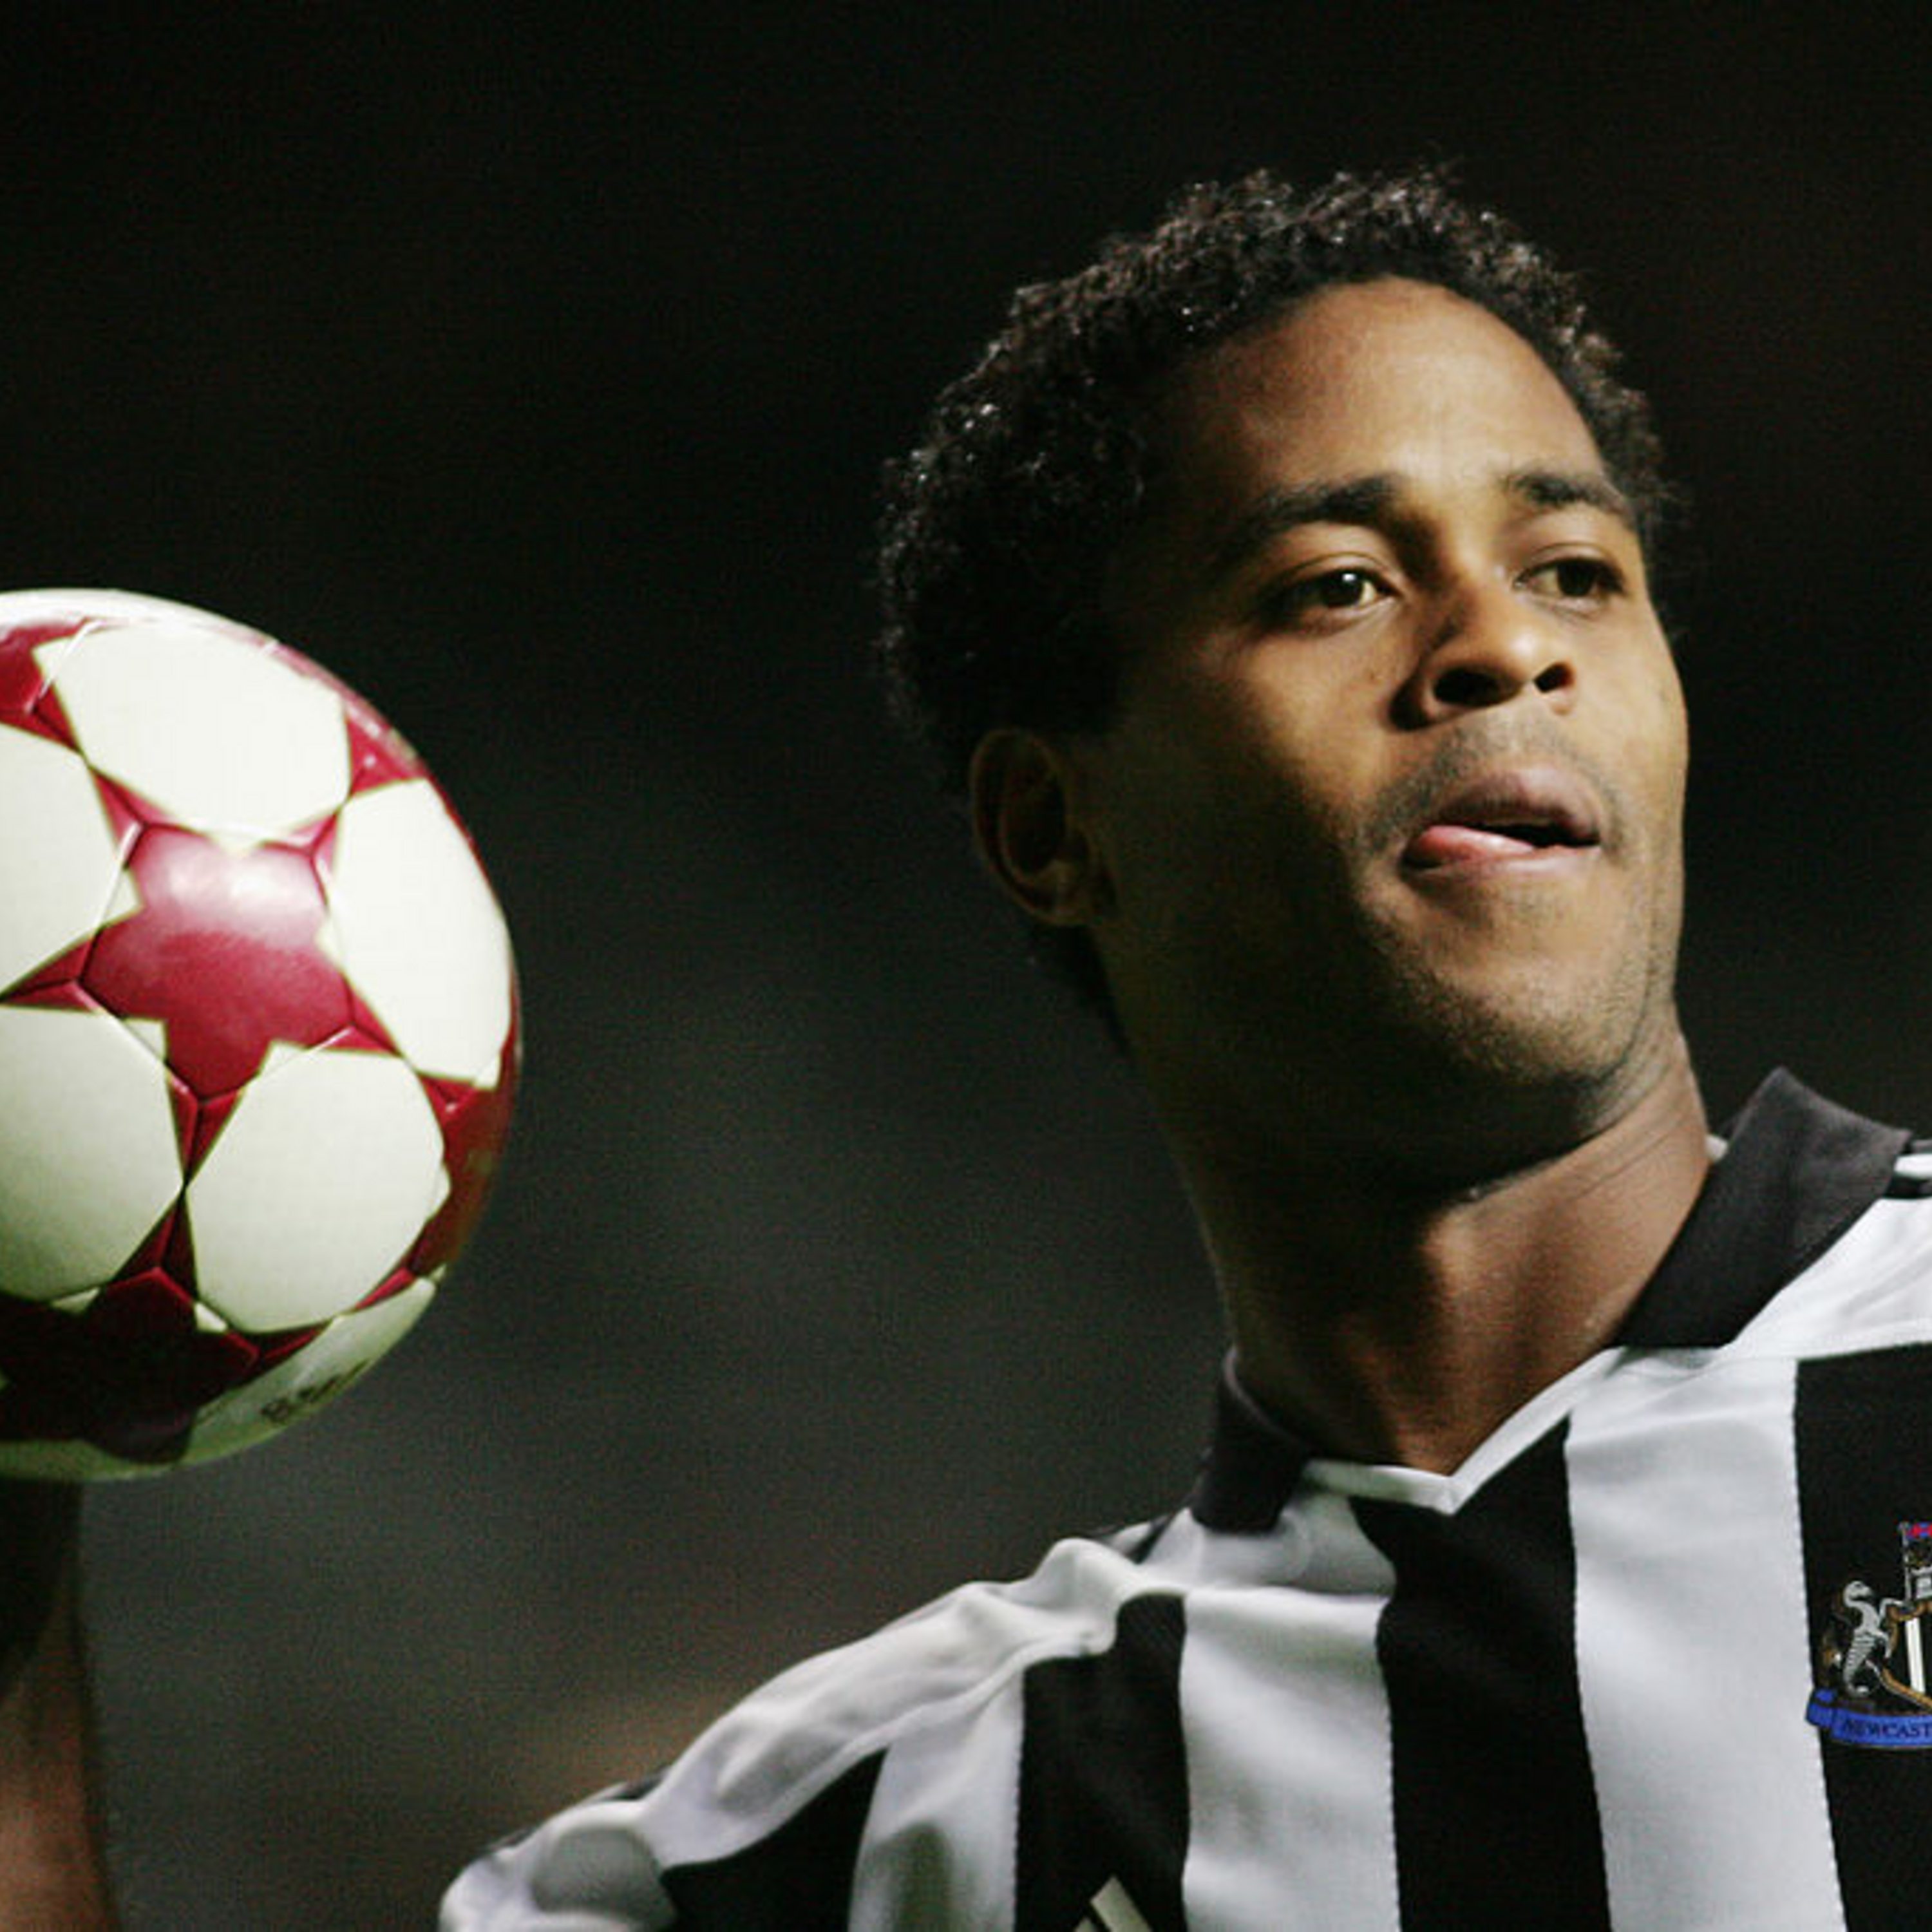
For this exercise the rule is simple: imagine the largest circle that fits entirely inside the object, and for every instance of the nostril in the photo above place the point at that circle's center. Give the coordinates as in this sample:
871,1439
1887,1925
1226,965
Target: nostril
1470,687
1464,684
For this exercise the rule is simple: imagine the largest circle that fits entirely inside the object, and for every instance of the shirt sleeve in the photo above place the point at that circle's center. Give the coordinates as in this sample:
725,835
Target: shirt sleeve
588,1869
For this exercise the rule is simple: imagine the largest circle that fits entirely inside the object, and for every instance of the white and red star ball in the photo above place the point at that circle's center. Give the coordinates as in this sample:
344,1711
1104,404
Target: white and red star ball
258,1035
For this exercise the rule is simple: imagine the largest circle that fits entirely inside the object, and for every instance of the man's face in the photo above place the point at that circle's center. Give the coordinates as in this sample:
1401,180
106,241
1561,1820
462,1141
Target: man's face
1393,799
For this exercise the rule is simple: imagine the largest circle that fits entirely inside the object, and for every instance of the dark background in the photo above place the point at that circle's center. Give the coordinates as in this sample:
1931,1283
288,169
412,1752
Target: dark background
534,374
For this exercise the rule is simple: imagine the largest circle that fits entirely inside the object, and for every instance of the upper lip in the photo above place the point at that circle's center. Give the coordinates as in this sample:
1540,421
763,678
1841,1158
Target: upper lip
1543,805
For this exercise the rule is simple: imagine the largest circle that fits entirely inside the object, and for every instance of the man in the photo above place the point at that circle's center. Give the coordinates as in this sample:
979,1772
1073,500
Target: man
1276,593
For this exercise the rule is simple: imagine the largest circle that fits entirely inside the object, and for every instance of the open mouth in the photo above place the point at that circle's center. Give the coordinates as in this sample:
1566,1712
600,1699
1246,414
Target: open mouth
1509,816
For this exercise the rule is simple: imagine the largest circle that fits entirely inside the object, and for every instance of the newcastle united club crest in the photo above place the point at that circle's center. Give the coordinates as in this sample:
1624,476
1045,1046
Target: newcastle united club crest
1874,1680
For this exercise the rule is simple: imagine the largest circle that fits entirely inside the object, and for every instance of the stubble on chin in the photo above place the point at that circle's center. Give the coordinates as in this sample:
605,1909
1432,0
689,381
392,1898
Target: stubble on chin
1558,1043
1524,986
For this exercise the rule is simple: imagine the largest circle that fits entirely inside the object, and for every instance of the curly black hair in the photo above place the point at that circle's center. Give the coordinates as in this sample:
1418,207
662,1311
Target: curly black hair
999,527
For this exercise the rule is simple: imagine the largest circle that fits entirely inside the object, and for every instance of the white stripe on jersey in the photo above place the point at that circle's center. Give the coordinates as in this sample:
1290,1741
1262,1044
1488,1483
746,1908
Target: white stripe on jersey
1684,1508
939,1841
933,1668
1868,1292
1288,1770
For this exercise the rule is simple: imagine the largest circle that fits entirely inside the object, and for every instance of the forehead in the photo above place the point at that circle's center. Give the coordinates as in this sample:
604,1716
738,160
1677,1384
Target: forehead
1385,378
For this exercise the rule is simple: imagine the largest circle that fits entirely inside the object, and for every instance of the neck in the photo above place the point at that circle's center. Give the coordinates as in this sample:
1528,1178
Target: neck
1390,1321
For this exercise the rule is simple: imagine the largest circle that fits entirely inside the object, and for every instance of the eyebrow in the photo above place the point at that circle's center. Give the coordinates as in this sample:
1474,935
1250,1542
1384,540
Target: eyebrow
1370,500
1359,499
1559,489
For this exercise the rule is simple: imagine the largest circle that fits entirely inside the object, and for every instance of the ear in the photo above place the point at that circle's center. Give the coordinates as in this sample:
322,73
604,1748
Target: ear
1029,824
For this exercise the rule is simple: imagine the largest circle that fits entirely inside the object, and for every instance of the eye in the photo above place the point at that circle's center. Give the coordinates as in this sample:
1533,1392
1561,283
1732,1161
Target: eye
1577,579
1342,589
1346,588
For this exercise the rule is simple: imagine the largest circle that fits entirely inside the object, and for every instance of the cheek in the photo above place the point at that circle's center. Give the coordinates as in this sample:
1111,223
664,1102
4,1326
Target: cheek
1642,730
1313,727
1217,814
1671,732
1654,794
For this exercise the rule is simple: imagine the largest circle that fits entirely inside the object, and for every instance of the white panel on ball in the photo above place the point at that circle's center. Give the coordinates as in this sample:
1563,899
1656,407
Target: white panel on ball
418,934
211,729
310,1379
315,1188
58,861
88,1156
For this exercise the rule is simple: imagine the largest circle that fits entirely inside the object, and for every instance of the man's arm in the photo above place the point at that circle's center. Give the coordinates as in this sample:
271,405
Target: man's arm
52,1872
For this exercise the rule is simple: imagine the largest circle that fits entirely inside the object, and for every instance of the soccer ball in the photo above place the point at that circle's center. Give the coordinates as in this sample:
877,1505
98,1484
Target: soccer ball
258,1036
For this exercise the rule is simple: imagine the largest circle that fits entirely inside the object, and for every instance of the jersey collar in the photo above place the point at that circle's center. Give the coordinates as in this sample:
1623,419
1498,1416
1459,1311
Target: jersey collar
1795,1173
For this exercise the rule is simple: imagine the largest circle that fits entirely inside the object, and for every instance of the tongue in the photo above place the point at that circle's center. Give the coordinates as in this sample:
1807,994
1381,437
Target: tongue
1463,844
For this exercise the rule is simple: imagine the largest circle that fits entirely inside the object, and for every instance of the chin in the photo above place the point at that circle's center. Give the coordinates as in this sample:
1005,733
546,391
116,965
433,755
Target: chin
1512,1103
1546,1056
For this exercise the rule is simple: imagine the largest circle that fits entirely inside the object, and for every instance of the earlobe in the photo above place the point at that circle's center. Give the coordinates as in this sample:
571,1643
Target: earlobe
1029,828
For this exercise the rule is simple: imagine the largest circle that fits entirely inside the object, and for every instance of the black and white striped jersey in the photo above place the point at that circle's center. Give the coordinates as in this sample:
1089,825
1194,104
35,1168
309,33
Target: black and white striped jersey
1656,1656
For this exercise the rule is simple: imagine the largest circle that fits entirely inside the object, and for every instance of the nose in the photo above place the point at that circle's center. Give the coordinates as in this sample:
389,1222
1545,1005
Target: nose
1491,646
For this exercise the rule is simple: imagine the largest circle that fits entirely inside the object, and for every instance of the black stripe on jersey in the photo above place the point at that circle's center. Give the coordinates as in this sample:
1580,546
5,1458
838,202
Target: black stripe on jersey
1103,1776
798,1879
1864,1466
1495,1807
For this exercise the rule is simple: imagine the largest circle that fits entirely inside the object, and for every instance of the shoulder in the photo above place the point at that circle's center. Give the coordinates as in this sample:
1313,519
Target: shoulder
759,1823
1813,1235
1871,1286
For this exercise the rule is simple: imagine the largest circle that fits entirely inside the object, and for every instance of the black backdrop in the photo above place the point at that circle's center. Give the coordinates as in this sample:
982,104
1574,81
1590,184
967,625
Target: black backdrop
534,375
